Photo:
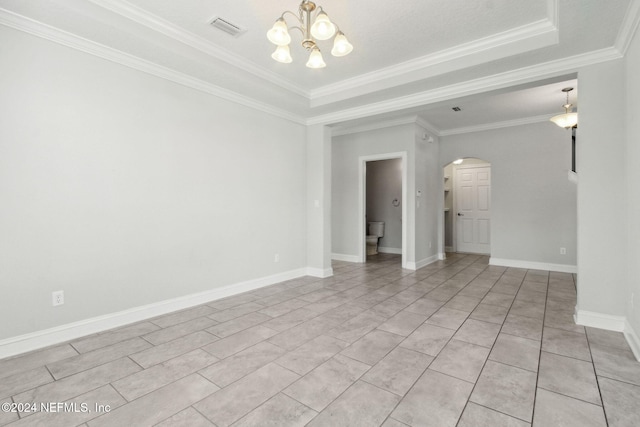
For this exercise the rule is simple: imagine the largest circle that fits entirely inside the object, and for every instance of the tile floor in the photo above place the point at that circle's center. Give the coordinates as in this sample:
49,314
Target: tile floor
458,343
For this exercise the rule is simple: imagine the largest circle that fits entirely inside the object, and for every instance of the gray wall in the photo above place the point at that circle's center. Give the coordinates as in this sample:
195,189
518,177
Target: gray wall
533,203
632,294
124,189
346,151
384,184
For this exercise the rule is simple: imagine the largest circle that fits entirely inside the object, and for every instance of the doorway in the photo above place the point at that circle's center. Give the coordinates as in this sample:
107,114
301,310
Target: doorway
467,224
385,202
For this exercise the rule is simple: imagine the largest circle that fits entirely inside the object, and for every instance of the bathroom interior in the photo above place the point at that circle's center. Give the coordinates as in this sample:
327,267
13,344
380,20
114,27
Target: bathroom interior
384,207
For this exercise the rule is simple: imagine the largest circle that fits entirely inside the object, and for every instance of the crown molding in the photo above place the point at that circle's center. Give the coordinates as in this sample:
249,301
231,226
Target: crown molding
497,125
162,26
380,124
629,27
427,126
471,87
521,39
73,41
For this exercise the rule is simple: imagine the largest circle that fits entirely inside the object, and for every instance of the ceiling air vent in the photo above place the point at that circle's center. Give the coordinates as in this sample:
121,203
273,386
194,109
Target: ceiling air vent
457,109
227,27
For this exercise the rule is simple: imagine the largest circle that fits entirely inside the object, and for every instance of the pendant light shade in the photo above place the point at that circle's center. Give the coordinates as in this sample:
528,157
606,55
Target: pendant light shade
568,119
279,33
323,28
315,59
282,54
341,45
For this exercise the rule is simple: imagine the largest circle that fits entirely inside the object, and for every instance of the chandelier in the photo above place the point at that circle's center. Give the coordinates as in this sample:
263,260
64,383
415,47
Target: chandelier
568,119
318,28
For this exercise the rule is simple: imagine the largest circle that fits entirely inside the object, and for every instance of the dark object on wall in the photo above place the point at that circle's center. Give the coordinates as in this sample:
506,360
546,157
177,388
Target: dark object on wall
573,149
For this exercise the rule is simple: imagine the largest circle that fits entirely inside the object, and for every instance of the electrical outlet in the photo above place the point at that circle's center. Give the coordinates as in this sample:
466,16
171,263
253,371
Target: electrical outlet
563,251
57,298
276,258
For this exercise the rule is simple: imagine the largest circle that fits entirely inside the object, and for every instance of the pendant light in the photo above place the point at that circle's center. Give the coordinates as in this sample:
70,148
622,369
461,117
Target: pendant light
568,119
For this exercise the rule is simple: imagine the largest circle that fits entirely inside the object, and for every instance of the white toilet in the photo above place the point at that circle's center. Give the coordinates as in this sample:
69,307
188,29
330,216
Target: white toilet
375,231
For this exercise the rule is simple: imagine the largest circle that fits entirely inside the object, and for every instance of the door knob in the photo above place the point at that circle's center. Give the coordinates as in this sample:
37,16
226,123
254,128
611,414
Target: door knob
460,214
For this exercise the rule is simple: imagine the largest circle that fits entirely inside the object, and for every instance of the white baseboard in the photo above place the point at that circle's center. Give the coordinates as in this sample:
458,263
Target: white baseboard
345,257
71,331
422,263
599,320
531,265
319,272
610,323
632,338
442,256
386,250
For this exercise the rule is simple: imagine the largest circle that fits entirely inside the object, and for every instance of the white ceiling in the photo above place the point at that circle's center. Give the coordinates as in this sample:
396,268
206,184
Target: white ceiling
410,57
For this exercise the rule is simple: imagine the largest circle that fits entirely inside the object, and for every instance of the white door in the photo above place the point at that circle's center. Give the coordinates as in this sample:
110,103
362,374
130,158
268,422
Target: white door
473,209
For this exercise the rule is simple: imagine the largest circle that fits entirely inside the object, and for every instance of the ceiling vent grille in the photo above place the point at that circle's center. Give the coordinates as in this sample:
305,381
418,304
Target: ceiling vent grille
457,109
226,26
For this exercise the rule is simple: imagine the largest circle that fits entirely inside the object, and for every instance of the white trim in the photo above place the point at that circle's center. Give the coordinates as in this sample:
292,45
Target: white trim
345,257
629,27
442,256
380,124
362,207
319,272
70,331
632,338
497,125
533,265
423,262
599,320
522,39
386,250
201,44
73,41
506,79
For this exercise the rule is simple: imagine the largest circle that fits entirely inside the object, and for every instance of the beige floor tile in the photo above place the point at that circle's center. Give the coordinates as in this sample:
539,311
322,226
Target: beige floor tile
436,400
479,416
461,360
279,411
362,404
616,363
238,342
183,316
357,327
23,381
557,410
516,351
398,371
621,402
321,386
311,354
372,347
506,389
235,312
525,327
428,339
82,362
187,418
478,332
565,343
571,377
403,323
448,318
104,339
157,376
35,359
177,331
238,399
171,349
240,364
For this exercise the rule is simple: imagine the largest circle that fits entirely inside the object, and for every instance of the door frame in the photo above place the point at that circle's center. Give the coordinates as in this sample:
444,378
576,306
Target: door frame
362,201
454,214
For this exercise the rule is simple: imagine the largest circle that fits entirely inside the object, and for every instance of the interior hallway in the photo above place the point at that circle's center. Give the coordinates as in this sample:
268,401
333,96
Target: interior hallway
457,343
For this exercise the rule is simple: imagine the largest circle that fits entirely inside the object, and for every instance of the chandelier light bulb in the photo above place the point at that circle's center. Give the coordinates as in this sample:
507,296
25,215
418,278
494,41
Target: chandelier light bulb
315,59
279,33
282,54
323,28
341,45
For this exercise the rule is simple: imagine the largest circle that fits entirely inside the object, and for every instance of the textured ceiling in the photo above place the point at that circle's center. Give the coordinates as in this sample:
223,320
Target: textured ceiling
401,49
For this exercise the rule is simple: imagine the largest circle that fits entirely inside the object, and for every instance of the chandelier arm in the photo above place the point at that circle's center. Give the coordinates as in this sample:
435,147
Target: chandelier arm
298,28
298,18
